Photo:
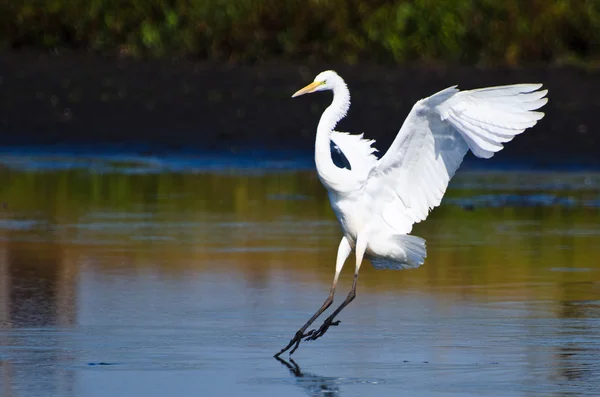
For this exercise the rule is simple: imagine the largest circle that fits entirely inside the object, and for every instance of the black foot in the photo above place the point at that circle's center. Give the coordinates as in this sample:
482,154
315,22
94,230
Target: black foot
295,342
316,334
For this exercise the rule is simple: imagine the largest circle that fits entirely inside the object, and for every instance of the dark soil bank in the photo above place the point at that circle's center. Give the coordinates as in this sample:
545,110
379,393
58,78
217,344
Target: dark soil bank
82,99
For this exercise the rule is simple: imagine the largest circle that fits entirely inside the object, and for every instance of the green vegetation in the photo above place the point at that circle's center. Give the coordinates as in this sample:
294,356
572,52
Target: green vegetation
471,31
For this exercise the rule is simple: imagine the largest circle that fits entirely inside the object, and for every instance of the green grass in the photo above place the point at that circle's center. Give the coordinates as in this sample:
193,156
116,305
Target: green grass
456,31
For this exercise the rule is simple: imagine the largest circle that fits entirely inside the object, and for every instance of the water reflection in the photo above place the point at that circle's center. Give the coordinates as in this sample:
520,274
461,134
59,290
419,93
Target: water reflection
191,278
37,291
577,361
38,286
313,385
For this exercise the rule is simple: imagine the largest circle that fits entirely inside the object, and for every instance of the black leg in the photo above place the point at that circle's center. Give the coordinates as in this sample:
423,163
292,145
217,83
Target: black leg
295,341
316,334
344,250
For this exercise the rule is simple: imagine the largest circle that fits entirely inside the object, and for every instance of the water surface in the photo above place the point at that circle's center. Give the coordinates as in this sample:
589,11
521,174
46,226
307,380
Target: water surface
153,277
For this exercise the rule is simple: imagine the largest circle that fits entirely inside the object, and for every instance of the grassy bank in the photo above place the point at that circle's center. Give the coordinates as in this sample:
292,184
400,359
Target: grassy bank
465,31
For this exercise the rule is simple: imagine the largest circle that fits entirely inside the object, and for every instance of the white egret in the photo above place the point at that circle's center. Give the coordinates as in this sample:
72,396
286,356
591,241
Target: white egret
378,201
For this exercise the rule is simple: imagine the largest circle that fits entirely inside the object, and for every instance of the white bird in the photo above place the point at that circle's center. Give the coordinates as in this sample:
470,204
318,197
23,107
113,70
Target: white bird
378,201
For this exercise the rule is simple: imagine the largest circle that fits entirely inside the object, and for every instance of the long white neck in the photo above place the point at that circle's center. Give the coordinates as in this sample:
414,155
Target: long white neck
329,173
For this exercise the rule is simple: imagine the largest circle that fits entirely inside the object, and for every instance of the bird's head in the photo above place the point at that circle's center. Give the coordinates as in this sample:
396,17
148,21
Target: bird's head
326,80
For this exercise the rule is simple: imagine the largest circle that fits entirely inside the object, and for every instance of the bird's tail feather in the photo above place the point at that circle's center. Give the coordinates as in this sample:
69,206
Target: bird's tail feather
410,254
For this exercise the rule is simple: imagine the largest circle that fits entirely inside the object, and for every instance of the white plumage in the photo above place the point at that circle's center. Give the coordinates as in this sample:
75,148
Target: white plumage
378,201
356,148
434,140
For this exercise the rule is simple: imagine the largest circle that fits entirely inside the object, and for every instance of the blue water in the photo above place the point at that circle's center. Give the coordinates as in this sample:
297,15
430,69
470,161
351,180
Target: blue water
190,289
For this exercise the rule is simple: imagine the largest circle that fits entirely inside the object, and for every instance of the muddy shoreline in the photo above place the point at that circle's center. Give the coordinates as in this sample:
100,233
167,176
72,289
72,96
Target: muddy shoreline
84,99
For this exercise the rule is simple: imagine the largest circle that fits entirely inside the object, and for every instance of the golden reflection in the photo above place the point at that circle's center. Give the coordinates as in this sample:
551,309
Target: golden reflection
279,224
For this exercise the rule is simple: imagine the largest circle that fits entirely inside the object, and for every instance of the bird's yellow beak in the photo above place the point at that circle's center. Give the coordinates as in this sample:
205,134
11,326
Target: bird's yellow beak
308,89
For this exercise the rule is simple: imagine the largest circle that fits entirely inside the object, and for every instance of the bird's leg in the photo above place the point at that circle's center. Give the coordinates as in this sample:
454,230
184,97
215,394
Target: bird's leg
361,246
295,341
315,334
343,252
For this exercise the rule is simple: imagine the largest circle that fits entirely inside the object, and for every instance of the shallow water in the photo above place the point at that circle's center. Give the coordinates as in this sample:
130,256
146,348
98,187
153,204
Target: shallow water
144,276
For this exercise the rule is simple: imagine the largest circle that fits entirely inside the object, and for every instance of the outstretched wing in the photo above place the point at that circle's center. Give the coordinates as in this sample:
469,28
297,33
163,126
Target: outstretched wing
412,177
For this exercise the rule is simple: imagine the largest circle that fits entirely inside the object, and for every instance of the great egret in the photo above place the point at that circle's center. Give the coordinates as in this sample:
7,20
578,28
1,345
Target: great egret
378,201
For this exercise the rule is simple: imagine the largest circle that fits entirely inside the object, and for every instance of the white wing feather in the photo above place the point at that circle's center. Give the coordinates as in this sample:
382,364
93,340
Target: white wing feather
358,151
412,177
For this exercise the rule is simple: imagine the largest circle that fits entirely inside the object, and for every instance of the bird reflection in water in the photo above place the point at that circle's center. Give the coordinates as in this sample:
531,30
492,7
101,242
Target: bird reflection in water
313,385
